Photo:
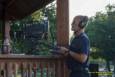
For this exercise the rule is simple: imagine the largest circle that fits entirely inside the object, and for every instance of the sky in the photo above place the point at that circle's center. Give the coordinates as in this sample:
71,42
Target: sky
86,7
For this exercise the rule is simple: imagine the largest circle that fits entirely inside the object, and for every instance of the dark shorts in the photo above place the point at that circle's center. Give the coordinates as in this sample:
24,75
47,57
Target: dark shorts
79,73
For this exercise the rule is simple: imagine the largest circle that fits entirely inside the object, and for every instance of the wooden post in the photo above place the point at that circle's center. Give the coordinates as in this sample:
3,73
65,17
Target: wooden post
63,22
5,31
63,25
6,36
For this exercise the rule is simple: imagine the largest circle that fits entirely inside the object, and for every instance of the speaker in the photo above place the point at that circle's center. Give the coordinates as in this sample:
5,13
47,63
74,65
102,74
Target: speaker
83,21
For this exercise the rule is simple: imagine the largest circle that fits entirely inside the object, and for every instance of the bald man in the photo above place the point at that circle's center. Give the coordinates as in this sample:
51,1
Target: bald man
78,52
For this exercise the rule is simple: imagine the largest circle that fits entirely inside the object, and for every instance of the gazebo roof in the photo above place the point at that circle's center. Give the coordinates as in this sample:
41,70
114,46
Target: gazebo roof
17,9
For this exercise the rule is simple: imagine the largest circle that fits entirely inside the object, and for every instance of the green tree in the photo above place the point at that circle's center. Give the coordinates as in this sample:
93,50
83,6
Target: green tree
38,16
101,32
50,13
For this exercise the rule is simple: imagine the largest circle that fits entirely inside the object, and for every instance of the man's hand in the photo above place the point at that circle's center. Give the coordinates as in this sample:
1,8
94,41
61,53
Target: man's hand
63,51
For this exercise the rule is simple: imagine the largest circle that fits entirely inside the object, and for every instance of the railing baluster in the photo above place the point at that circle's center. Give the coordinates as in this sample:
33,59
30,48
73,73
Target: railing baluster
8,69
41,69
22,70
52,69
29,69
32,66
15,69
35,69
2,69
47,69
5,69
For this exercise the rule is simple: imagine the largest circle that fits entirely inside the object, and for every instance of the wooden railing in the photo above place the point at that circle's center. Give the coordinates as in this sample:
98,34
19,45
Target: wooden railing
32,66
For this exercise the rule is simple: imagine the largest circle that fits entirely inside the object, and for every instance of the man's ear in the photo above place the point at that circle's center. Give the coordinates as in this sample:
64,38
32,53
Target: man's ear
83,21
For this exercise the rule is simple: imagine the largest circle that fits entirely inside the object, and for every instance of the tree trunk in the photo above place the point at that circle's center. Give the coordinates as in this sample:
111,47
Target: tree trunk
114,68
108,65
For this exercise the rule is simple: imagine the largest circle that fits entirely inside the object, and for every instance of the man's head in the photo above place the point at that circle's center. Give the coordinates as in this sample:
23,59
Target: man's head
79,23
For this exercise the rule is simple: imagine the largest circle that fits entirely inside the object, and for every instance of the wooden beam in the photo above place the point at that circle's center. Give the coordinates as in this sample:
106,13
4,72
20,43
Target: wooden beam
63,22
10,3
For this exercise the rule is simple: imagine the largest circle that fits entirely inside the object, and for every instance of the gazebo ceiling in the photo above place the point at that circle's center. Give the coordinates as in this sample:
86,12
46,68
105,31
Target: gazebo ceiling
17,9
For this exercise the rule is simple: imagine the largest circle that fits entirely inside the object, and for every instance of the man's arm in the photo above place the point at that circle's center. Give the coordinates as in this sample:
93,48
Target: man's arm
81,57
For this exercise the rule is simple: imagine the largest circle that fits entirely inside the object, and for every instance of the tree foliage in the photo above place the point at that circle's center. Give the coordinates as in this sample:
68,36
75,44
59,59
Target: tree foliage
101,30
20,46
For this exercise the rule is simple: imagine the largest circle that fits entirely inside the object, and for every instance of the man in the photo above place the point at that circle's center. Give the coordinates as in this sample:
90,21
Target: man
78,52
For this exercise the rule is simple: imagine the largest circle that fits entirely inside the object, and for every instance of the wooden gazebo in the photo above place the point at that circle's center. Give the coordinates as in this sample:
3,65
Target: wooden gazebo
18,9
29,65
